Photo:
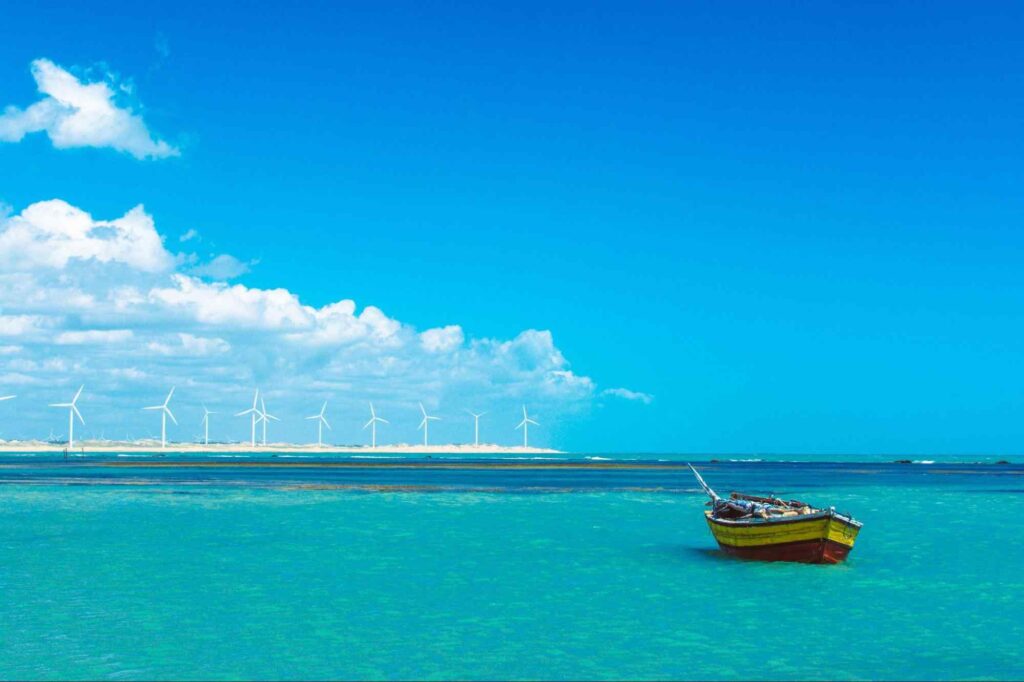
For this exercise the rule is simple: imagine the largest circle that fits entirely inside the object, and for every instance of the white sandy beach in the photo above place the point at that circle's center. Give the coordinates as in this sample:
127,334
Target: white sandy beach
214,448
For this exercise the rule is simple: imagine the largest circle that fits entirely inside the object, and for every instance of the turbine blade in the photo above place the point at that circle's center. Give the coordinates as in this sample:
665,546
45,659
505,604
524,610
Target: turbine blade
60,404
171,415
421,424
422,410
78,414
383,421
315,416
154,407
169,396
75,399
326,423
367,423
7,397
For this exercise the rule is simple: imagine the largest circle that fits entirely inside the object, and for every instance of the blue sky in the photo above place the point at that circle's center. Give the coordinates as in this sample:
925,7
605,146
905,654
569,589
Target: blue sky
792,228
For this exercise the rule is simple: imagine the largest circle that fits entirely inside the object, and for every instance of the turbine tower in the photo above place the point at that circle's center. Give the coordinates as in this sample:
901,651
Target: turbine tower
373,424
7,397
476,426
206,425
164,413
525,426
321,422
425,424
265,416
72,413
255,413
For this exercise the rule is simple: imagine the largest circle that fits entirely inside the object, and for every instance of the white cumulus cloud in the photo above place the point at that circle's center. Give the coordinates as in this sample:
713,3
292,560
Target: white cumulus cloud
24,325
442,339
52,233
69,280
77,114
220,304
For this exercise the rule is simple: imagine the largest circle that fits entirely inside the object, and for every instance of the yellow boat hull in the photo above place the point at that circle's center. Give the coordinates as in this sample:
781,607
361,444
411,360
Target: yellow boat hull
823,537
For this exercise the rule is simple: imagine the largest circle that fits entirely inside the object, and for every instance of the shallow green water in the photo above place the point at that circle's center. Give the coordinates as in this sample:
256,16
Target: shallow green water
217,581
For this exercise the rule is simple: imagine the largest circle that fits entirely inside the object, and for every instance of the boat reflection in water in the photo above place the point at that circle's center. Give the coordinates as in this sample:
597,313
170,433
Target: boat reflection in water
771,529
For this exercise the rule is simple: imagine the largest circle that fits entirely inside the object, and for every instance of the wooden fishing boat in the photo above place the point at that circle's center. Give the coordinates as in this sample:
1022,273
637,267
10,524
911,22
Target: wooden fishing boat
772,529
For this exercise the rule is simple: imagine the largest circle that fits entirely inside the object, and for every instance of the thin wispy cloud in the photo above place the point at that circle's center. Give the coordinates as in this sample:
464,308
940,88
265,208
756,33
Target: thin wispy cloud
626,394
74,113
224,266
94,337
162,47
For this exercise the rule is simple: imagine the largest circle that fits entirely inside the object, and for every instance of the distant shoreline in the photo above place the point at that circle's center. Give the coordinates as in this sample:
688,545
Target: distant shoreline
149,454
107,447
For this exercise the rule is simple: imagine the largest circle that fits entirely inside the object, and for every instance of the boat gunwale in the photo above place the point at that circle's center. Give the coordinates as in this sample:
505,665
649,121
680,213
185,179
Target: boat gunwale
813,516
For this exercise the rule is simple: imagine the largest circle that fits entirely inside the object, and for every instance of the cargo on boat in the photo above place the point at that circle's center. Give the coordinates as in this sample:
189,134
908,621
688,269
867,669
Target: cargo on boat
772,529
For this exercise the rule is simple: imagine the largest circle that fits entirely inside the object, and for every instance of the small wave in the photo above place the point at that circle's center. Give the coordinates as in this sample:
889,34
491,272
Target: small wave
746,460
923,461
368,456
599,459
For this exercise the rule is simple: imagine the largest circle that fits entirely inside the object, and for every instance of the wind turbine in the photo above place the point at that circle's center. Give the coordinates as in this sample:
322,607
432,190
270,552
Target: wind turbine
255,413
322,420
206,425
7,397
373,424
425,424
525,426
72,412
265,416
164,413
476,427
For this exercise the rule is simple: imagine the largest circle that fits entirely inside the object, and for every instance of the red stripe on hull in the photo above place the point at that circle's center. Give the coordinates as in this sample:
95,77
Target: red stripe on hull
806,551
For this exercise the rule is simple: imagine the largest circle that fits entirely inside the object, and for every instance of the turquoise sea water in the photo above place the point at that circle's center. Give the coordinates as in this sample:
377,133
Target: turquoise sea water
263,572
